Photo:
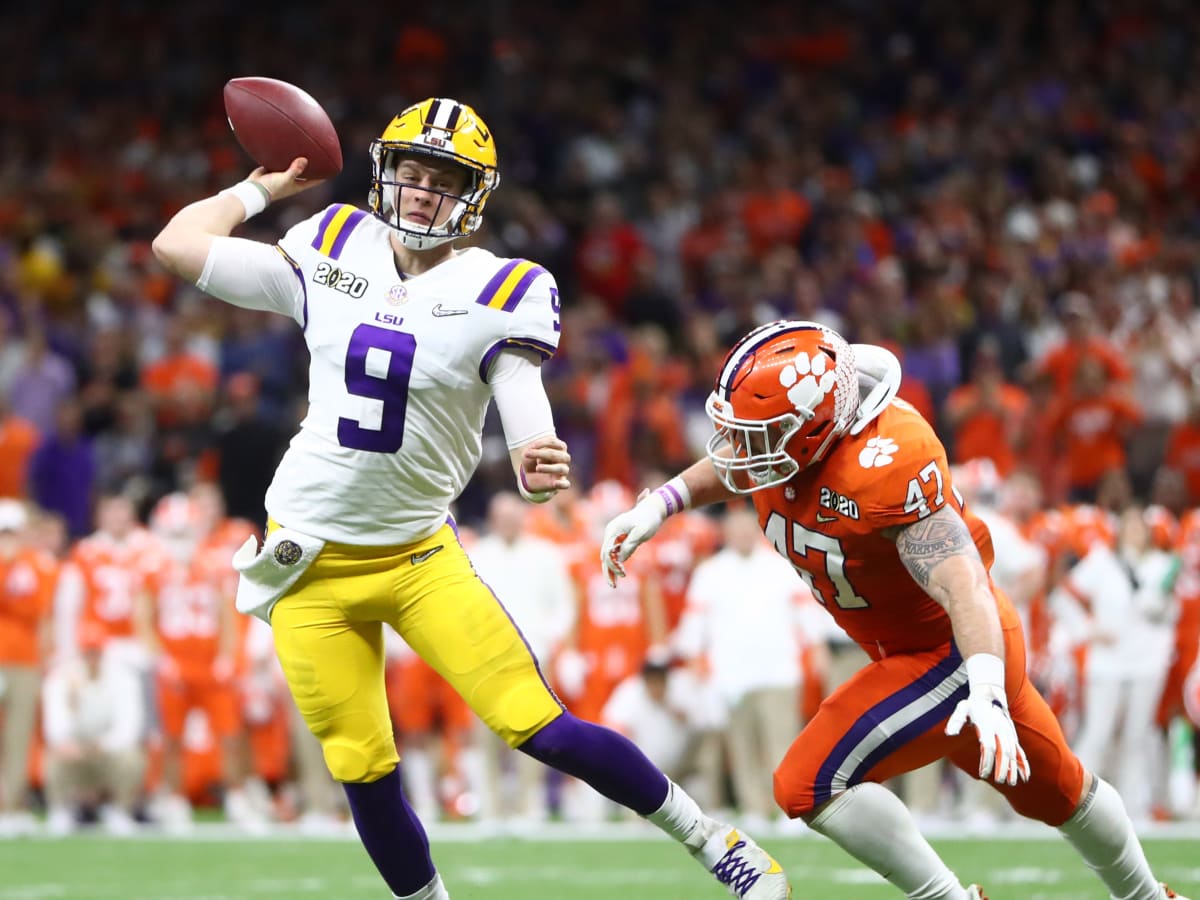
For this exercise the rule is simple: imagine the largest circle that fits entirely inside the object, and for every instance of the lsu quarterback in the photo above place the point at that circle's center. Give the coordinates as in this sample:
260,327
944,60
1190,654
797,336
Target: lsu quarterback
410,338
852,487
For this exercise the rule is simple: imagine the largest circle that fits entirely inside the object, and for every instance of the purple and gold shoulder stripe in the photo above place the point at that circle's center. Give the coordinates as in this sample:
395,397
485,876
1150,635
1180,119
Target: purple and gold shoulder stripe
510,283
333,232
533,345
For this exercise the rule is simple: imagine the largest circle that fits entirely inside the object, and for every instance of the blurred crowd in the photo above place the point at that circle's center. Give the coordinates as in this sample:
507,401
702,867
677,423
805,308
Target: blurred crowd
1006,195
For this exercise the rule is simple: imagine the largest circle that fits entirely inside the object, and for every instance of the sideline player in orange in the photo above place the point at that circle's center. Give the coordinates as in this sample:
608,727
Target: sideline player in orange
853,488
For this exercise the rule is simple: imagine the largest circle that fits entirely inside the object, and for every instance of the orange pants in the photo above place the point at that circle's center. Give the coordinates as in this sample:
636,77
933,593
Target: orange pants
420,699
1187,648
889,718
218,699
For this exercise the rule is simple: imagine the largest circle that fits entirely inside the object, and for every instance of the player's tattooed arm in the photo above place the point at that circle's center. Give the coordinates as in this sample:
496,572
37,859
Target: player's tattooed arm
940,554
924,545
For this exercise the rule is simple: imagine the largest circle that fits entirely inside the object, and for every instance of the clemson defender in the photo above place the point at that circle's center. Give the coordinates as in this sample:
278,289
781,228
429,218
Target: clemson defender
853,488
410,340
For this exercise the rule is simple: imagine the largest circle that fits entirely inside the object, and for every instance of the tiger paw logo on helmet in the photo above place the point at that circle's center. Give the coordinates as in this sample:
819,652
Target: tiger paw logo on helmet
877,453
805,376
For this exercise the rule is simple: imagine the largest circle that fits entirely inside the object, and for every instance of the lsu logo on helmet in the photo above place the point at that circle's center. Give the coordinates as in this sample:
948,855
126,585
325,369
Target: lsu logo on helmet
445,130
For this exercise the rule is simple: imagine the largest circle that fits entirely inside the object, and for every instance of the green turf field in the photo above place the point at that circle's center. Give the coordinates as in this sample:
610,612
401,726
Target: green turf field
509,869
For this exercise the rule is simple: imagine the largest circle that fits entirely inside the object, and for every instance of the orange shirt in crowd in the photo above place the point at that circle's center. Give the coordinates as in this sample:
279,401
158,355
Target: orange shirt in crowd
988,432
1091,431
775,217
172,374
1183,453
18,440
1063,361
27,581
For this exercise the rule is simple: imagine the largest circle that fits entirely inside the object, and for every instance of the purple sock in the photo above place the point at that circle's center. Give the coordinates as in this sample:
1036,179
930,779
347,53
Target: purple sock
391,833
608,761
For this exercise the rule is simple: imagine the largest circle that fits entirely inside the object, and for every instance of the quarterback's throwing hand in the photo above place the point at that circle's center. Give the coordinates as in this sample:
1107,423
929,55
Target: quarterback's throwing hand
545,465
286,183
1000,755
628,531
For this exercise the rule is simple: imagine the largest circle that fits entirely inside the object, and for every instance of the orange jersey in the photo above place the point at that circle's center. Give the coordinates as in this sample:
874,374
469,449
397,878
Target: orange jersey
114,574
27,581
682,542
1183,453
188,603
612,632
1087,524
829,522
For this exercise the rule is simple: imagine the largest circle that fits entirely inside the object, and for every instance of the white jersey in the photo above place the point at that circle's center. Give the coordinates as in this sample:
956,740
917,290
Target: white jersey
398,377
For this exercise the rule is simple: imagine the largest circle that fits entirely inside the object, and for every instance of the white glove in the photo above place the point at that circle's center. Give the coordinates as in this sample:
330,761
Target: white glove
628,531
986,707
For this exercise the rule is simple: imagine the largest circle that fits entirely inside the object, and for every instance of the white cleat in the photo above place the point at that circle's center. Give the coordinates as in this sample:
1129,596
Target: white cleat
746,869
975,892
1169,894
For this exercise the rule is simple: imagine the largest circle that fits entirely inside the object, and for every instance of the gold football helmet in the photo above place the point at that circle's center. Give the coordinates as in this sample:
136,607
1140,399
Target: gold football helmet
445,130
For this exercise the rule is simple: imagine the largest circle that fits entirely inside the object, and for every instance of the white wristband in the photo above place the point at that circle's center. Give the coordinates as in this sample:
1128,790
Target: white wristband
674,495
985,669
255,198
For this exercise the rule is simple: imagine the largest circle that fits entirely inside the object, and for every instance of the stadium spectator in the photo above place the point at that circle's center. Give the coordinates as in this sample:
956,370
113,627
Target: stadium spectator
248,446
62,471
27,581
988,417
94,723
1082,341
1090,426
42,384
18,440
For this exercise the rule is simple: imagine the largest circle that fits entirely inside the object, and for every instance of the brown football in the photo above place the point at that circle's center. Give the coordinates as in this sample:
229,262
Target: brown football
275,122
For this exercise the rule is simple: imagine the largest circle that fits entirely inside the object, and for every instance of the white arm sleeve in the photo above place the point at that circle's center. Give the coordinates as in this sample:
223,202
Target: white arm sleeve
525,413
253,275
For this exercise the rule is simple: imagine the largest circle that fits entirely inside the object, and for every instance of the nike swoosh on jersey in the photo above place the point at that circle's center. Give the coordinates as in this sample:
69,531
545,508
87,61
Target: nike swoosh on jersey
821,518
440,311
418,558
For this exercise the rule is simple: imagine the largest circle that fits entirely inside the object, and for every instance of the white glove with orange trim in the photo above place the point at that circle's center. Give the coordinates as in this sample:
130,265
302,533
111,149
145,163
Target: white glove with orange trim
1000,755
632,528
628,531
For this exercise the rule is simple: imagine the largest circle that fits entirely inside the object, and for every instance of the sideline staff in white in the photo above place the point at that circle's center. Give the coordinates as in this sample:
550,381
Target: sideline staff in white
529,576
743,617
1126,597
93,715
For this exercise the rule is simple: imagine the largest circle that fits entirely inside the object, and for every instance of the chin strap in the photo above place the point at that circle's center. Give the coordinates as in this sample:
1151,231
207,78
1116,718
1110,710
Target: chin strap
878,381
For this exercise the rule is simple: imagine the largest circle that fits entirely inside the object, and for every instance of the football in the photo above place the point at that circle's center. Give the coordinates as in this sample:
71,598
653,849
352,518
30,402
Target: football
275,122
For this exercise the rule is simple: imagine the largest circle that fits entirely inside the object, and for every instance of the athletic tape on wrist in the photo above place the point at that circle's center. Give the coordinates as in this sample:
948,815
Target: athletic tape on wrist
254,197
985,669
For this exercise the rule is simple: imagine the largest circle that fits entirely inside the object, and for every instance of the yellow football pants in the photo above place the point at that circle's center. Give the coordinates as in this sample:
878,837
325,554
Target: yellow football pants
329,637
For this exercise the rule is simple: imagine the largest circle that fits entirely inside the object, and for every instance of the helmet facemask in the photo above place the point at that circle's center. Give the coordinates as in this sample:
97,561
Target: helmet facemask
757,450
437,131
386,194
787,392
